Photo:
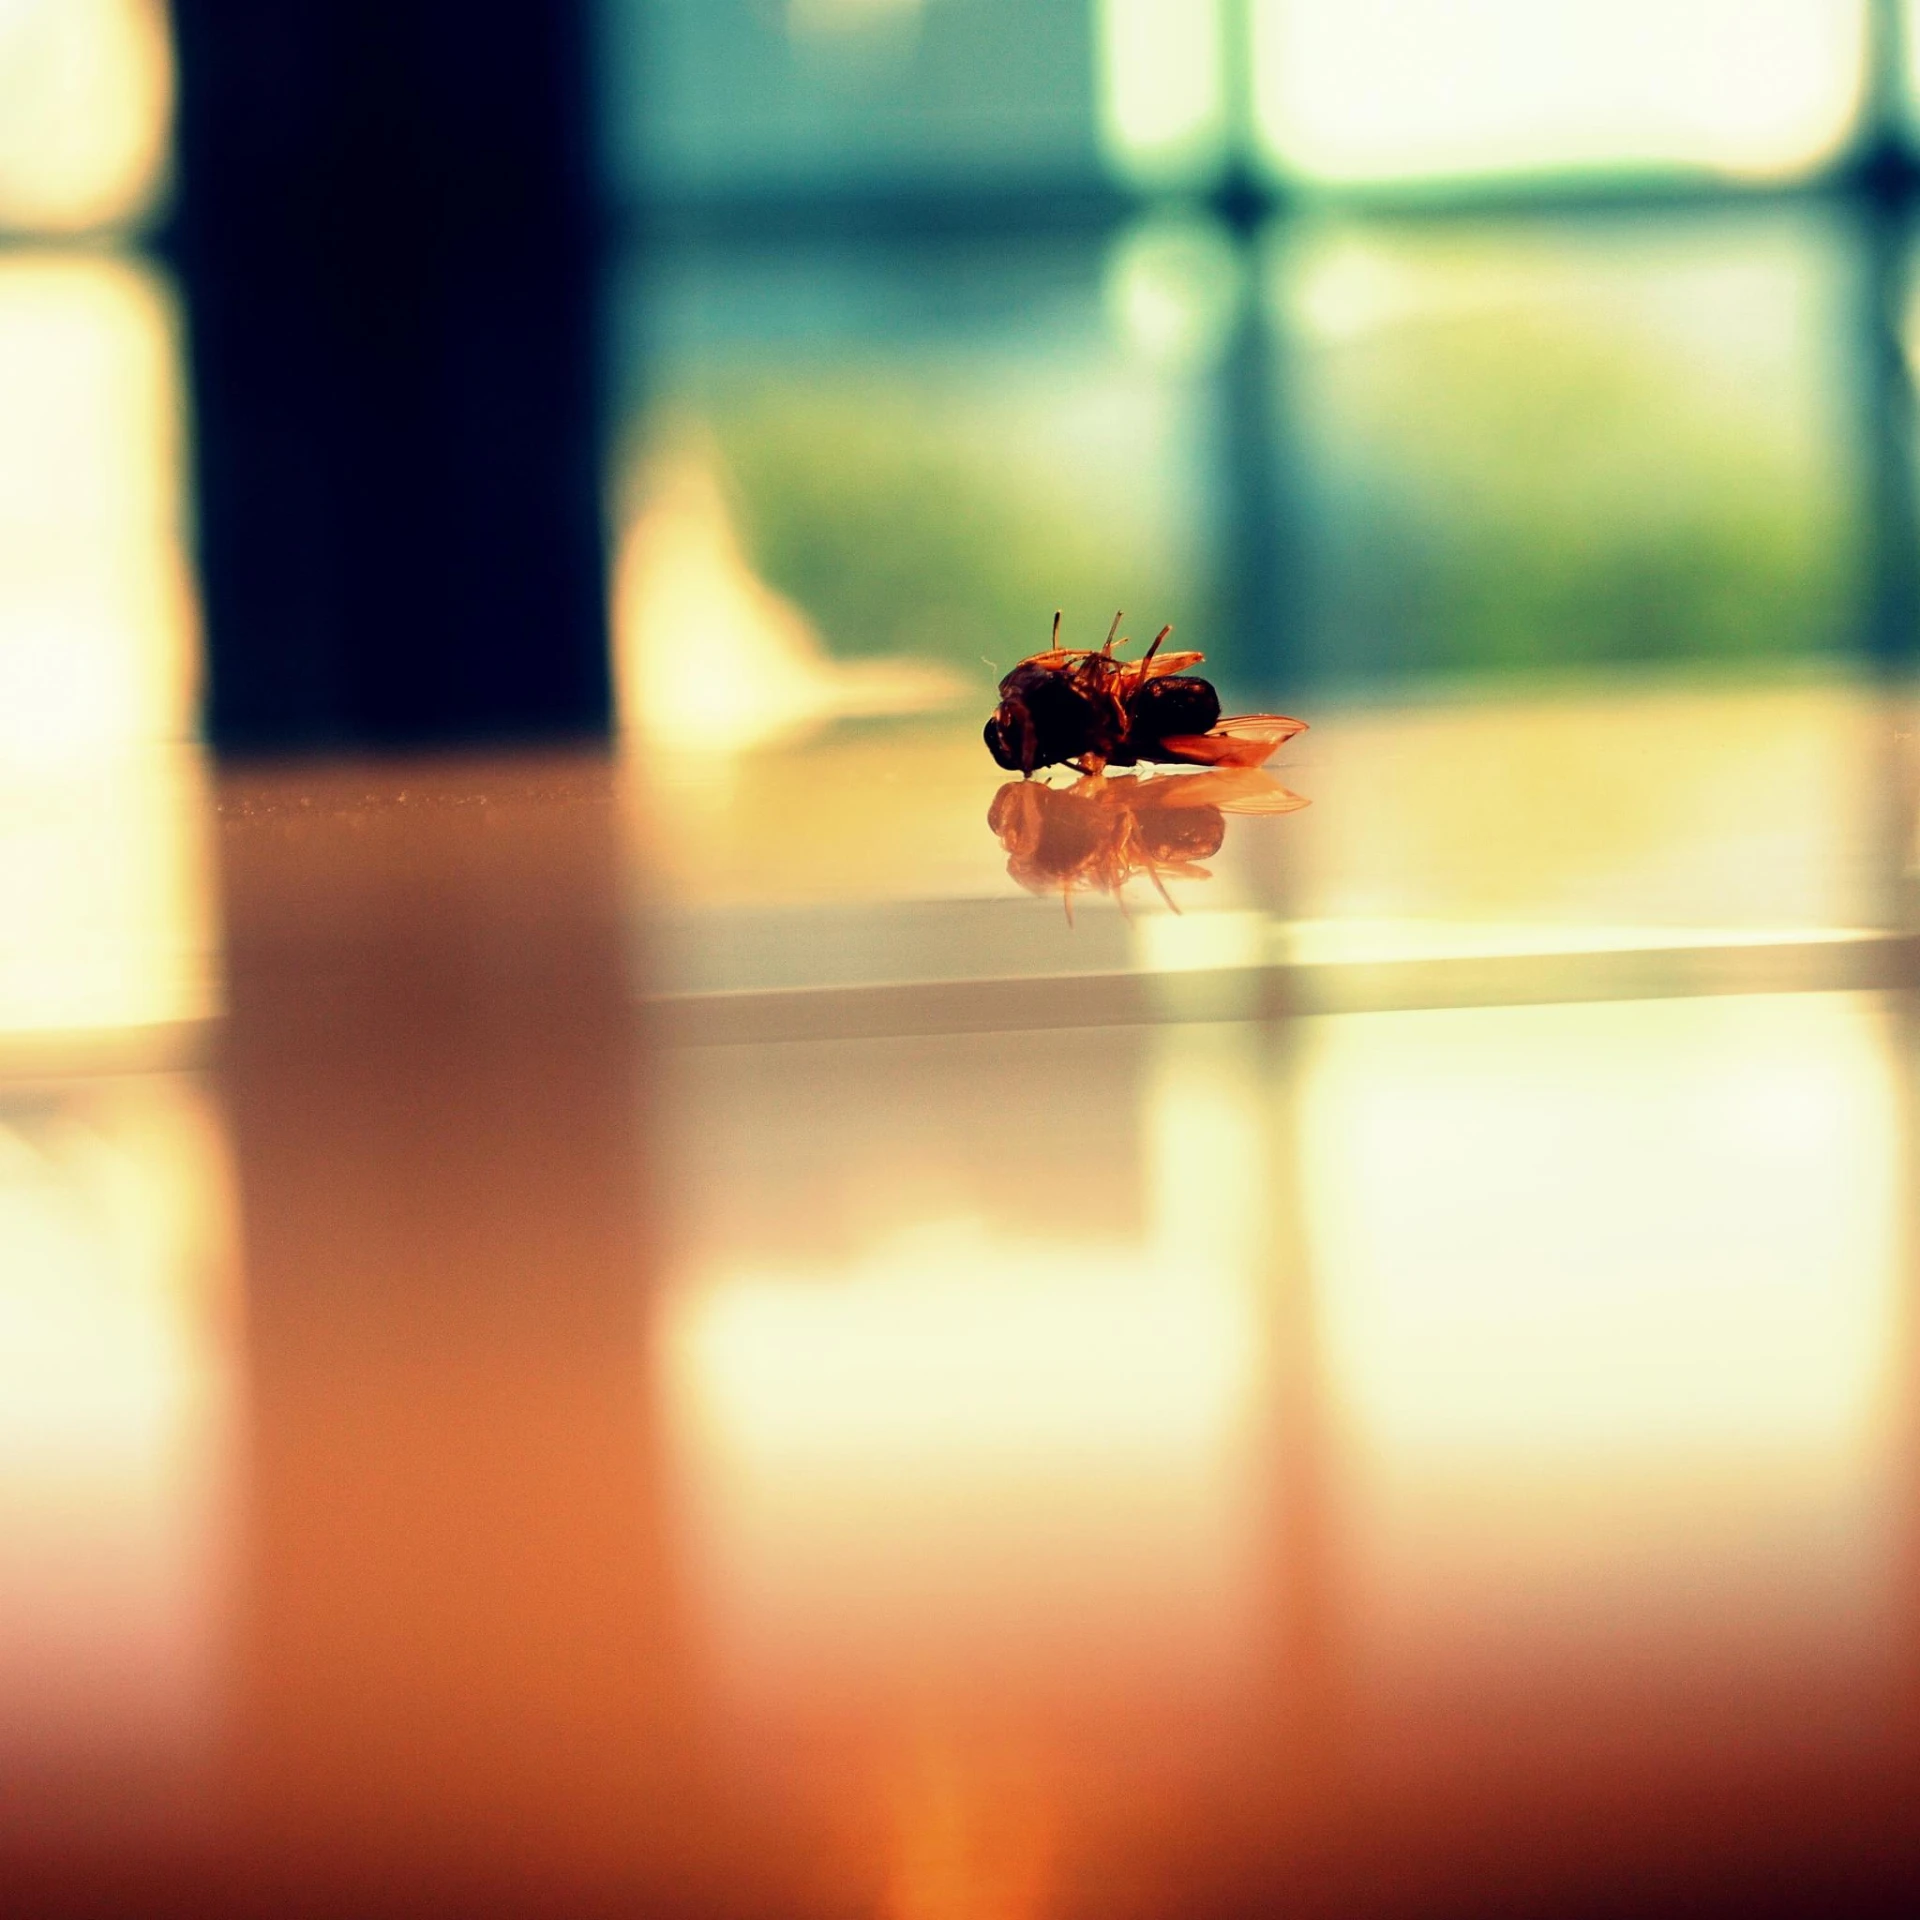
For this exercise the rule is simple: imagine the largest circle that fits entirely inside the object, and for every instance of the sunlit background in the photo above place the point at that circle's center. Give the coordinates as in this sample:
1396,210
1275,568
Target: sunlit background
1078,1390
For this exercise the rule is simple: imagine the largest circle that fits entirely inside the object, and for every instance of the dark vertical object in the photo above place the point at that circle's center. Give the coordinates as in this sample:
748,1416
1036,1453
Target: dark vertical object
1893,614
1888,187
1260,548
386,227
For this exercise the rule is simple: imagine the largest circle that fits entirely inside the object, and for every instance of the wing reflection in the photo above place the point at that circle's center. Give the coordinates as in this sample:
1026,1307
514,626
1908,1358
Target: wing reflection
1101,832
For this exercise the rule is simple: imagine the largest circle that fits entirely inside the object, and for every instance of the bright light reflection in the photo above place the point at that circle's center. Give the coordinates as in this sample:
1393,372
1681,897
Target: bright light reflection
1607,1231
971,1447
1362,90
1650,816
952,1347
110,916
116,1410
1610,1300
1162,85
86,108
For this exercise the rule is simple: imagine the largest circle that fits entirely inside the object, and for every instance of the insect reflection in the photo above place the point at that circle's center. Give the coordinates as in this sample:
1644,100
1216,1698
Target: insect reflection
1100,832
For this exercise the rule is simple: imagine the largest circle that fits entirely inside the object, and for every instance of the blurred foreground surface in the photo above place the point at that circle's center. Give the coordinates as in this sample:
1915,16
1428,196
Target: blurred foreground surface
590,1335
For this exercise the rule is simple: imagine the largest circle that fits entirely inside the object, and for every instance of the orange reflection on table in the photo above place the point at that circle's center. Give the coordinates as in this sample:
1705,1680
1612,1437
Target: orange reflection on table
118,1446
974,1514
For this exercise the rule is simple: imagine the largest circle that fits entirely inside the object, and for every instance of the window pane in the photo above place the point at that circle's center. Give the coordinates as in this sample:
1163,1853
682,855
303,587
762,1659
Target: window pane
706,96
98,626
1162,87
862,479
86,102
1526,447
1369,90
110,921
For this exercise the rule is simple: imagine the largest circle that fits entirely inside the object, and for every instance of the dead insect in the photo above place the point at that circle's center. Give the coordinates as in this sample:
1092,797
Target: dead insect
1073,706
1097,834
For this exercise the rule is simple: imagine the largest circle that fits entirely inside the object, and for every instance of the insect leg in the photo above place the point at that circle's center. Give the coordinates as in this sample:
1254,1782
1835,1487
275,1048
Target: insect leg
1111,631
1056,629
1155,648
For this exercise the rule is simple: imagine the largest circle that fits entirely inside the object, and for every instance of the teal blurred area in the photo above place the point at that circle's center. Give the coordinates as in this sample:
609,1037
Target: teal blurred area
1371,346
1336,452
736,98
784,97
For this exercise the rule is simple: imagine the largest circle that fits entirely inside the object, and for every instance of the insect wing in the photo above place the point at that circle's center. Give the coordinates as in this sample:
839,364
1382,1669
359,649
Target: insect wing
1207,787
1163,664
1054,660
1266,726
1244,740
1245,790
1141,671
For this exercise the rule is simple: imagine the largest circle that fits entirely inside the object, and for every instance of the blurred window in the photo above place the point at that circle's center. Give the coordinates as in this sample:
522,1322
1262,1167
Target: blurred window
1163,88
1372,90
97,637
853,473
86,109
100,800
98,629
1342,444
799,96
1525,444
745,96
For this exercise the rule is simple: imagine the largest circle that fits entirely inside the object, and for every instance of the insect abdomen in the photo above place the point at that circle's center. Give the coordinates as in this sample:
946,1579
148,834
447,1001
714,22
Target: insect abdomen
1177,704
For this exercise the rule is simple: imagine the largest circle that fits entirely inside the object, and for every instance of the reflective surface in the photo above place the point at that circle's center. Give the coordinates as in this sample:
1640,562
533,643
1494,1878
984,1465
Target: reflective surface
640,1360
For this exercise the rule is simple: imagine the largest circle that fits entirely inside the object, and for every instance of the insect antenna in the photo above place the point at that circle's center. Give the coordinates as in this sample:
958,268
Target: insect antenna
1111,631
1155,648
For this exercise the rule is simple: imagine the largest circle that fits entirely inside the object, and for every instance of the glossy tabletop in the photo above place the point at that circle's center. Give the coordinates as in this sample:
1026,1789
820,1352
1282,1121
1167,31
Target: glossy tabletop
649,1333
